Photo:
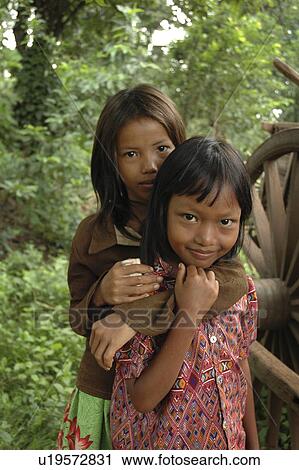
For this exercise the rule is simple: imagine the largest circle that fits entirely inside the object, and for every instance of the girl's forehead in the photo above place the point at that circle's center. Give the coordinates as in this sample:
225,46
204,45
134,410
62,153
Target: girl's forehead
138,130
219,199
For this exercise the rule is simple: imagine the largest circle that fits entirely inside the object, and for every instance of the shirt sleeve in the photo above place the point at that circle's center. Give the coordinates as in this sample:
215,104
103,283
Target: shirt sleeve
232,283
82,284
248,320
151,316
135,356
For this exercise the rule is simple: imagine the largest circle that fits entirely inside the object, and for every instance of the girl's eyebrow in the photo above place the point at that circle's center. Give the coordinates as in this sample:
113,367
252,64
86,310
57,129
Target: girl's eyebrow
161,141
129,147
193,207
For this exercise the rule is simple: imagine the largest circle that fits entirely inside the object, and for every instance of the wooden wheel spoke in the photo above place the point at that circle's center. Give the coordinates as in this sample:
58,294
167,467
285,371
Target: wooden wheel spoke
275,344
255,255
262,229
292,222
292,348
294,288
295,309
283,350
295,314
293,268
275,210
294,328
286,182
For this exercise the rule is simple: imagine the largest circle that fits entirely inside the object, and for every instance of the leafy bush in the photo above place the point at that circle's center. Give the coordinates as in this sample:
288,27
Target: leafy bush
47,188
39,352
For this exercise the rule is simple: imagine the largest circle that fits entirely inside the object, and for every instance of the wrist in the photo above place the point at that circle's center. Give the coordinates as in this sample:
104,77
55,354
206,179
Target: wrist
98,298
185,320
192,315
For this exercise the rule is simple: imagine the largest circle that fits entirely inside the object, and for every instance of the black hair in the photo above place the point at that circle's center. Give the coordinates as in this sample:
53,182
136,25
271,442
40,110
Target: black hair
195,168
141,101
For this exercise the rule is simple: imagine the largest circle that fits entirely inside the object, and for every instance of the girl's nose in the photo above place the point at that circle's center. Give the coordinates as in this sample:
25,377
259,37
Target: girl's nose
149,163
206,235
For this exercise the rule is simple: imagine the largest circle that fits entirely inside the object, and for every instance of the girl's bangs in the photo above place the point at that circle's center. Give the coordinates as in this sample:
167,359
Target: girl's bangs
201,186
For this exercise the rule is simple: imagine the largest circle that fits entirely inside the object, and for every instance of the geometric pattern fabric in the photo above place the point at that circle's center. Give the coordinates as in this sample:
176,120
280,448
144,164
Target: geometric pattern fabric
205,407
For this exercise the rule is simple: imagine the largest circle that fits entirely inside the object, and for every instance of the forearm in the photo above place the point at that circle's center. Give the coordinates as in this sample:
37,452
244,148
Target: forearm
151,316
249,421
158,378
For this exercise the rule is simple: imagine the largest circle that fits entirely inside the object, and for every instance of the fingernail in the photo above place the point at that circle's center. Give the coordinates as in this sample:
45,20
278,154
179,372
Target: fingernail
156,286
180,265
160,278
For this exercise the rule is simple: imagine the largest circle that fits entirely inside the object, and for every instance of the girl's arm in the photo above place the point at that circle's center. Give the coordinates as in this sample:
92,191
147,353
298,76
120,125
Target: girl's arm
154,315
157,379
249,421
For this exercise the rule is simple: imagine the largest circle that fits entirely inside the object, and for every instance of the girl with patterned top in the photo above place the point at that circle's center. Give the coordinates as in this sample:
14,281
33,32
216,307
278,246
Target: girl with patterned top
192,388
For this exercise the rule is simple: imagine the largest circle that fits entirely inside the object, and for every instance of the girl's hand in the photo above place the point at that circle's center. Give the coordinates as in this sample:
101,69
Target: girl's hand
195,290
107,336
121,284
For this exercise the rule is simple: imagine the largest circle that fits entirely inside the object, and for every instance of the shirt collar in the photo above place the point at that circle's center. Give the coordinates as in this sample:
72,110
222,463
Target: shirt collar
105,237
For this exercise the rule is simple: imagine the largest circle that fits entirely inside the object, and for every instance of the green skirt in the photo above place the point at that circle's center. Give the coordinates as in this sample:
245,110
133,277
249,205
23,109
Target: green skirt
86,423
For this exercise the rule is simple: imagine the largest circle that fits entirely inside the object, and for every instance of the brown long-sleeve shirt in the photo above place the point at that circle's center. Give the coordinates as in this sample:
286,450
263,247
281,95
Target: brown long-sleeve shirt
95,249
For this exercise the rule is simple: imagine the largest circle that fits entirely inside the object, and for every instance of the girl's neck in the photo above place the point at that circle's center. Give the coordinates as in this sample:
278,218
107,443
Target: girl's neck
138,215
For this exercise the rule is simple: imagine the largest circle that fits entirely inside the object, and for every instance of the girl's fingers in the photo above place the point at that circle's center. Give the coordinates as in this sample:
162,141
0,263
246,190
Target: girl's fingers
192,271
93,343
210,275
135,268
201,272
91,339
144,280
107,357
180,274
99,354
138,290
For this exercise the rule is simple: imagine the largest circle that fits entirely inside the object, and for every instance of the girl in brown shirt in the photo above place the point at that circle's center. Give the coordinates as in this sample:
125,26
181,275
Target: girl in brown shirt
137,130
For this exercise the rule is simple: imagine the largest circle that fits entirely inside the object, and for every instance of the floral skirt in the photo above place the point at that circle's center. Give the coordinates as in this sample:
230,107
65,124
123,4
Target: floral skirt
86,423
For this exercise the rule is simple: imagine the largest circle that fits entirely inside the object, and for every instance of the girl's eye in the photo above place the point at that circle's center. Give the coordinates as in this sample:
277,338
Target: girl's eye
226,222
130,154
189,217
163,148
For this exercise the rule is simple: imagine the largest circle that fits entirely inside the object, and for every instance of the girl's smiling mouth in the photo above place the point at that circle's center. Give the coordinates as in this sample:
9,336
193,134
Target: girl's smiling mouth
199,254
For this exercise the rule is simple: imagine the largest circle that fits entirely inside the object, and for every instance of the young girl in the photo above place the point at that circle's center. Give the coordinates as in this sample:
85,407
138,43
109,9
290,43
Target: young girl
192,388
137,130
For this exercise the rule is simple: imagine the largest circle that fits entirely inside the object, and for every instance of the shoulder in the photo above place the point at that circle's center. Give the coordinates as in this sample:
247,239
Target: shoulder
92,236
84,231
86,227
249,299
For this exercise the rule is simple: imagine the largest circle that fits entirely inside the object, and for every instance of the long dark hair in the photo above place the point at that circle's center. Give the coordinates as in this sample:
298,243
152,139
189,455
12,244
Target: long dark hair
194,168
131,103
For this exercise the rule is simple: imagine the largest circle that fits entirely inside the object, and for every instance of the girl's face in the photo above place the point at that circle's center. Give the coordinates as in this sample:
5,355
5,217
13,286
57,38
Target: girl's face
142,146
200,234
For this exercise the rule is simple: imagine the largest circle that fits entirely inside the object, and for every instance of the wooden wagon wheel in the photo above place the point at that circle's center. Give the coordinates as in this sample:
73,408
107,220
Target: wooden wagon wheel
272,246
274,251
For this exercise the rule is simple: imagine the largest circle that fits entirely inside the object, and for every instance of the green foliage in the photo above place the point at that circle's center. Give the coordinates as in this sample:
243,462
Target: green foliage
39,353
224,65
49,187
263,418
